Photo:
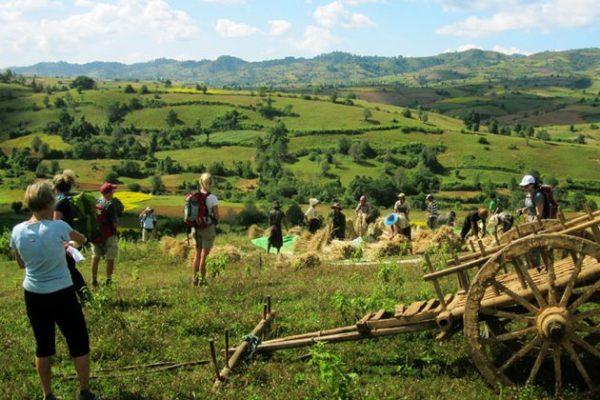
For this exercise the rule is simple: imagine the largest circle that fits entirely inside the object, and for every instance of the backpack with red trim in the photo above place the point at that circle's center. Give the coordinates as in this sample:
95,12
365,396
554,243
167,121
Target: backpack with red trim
195,211
550,203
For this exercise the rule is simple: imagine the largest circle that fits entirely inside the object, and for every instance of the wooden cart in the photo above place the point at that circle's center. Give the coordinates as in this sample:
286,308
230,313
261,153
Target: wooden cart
527,304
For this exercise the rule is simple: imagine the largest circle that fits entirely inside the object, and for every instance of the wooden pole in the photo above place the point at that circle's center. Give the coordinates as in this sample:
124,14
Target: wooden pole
227,348
213,356
436,284
240,351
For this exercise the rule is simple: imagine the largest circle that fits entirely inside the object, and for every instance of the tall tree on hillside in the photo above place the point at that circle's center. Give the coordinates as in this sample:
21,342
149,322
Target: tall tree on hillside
172,118
83,83
367,114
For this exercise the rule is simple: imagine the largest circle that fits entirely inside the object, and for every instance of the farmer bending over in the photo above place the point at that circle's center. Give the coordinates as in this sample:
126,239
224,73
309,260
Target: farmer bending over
471,221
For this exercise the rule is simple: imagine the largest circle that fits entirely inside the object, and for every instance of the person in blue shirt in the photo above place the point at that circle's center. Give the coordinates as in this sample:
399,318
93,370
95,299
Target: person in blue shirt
50,299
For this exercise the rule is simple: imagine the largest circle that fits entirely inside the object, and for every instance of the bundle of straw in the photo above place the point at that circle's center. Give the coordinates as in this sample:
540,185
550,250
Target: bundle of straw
255,231
307,260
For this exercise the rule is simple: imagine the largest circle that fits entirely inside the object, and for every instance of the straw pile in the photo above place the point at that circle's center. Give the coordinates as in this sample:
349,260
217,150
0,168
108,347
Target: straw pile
339,250
376,229
230,252
255,231
174,247
350,232
312,243
424,239
307,260
395,246
283,261
295,230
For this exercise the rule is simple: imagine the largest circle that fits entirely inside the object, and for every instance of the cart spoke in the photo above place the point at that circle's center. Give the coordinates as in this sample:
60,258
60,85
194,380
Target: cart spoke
516,297
557,370
587,314
569,289
521,353
534,289
586,346
549,262
506,314
538,362
515,335
586,328
585,296
575,358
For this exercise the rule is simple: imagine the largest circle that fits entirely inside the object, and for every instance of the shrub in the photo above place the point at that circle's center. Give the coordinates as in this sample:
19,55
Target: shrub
134,187
294,214
250,215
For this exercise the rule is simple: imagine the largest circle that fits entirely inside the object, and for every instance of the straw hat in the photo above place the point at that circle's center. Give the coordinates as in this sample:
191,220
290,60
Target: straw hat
401,195
313,202
336,205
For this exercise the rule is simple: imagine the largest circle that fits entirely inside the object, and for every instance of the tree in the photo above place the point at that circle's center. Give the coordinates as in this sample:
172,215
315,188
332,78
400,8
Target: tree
41,171
472,121
172,118
59,102
344,145
65,119
156,184
112,177
83,83
580,139
355,152
294,214
54,167
144,89
129,89
16,206
35,143
116,112
367,114
493,127
333,97
44,149
46,101
406,113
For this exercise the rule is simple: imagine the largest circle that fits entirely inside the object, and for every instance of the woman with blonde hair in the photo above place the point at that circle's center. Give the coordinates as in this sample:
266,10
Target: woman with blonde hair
204,231
50,299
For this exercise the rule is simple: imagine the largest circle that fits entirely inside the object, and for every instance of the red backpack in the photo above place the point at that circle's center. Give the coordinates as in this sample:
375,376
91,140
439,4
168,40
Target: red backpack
195,211
550,206
107,229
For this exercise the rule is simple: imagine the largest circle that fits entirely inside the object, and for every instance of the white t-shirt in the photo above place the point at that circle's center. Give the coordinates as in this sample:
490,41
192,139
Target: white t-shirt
211,203
311,213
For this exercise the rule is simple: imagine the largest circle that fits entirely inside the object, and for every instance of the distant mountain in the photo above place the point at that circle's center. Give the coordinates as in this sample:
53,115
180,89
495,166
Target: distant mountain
336,68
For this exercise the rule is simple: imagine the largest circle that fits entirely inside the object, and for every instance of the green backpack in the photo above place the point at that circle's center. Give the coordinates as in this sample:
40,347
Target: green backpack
85,215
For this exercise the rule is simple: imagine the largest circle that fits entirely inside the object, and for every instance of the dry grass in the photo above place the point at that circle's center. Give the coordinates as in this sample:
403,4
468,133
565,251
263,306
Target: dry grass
312,243
177,248
339,250
283,261
230,252
307,260
255,231
424,239
388,247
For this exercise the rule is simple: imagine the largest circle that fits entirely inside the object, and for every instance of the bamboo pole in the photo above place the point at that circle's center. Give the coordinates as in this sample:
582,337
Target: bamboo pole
436,283
213,356
240,351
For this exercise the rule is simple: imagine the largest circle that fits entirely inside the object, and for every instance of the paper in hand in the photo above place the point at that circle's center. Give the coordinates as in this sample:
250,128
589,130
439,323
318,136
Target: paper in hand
76,254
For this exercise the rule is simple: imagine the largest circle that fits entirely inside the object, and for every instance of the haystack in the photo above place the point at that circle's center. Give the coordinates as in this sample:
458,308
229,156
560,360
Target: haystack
230,252
376,229
283,261
312,243
255,231
307,260
395,246
174,247
295,230
340,250
350,232
445,234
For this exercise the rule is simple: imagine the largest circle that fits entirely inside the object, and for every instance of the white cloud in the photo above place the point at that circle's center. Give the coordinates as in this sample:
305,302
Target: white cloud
226,1
279,27
315,40
231,29
84,3
103,25
542,14
335,13
497,48
357,2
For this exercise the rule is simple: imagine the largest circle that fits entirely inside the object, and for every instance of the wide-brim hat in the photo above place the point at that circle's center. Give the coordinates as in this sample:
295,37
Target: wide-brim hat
313,202
390,219
336,205
401,195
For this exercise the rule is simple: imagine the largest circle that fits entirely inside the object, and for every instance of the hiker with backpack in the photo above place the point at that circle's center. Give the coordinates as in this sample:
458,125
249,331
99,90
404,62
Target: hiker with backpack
276,219
147,223
201,215
539,200
50,298
106,246
66,210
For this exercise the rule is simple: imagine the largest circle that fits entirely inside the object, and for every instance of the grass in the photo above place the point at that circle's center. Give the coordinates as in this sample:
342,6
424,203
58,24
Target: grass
55,142
154,315
208,155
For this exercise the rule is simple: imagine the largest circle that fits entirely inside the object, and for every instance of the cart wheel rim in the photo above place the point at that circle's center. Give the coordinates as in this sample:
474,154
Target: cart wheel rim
551,322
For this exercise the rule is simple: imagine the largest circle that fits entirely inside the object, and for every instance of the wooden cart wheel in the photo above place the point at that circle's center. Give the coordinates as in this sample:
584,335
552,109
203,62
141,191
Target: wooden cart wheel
543,289
514,233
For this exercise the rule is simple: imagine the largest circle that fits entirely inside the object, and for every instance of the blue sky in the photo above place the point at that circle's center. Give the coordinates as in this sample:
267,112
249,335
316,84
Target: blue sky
139,30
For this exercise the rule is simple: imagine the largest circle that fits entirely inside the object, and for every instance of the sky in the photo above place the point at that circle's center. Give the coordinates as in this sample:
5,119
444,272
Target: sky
131,31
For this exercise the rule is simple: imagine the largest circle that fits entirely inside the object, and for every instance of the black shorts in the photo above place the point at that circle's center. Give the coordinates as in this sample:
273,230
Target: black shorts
60,308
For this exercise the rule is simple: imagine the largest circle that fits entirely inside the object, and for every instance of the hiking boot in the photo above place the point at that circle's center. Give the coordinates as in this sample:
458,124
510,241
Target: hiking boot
108,281
86,395
95,283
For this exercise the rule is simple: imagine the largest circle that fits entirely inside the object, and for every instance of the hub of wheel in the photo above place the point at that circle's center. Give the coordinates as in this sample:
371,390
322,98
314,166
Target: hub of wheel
554,323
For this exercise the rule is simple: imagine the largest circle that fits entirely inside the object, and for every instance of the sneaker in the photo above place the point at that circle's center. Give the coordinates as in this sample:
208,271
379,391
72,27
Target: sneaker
86,395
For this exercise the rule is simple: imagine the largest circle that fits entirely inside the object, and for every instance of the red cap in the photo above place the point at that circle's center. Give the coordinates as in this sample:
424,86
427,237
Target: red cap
107,188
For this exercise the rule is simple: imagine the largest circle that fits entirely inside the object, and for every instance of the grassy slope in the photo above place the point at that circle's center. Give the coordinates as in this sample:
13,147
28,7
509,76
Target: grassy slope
154,315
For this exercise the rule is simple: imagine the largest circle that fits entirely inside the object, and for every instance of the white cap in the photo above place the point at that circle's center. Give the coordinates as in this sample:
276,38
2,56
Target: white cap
527,180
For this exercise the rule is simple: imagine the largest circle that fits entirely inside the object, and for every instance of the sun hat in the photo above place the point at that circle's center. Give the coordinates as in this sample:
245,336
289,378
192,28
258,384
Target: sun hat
107,188
313,202
390,219
401,195
429,196
336,205
527,180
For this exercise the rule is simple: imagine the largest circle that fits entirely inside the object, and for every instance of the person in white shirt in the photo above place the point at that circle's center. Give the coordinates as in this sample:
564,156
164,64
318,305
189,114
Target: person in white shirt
312,216
148,223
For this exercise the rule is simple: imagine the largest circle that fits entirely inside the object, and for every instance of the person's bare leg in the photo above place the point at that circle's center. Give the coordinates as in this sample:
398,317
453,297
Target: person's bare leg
82,366
95,261
203,256
110,267
44,370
